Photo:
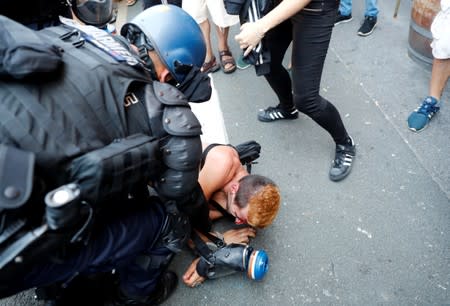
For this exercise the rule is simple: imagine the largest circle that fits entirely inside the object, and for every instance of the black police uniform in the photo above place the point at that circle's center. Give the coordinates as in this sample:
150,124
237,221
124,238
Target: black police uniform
97,96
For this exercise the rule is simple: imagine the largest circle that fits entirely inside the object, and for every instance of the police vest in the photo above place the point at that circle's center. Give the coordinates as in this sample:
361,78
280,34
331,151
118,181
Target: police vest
80,109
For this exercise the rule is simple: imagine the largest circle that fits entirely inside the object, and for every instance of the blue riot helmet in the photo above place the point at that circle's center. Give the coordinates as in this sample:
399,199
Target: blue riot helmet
172,33
93,12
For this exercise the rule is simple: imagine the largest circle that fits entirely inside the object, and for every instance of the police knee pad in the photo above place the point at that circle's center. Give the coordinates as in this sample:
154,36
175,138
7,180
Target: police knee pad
234,257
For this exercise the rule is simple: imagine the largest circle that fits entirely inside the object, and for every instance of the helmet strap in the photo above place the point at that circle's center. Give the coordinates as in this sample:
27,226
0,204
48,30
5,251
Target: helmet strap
136,37
148,63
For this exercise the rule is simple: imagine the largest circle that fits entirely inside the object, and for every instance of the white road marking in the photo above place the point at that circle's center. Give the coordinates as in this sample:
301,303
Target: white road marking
211,118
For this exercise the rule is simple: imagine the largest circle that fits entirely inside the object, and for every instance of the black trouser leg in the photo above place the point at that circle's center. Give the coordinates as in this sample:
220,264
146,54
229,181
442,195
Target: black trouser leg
311,38
278,40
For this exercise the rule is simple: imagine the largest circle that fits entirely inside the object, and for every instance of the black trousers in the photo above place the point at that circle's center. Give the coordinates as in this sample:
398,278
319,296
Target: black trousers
310,33
118,244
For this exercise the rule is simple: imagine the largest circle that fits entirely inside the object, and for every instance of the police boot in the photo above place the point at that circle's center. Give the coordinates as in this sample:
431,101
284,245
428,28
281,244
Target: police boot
166,285
82,290
50,295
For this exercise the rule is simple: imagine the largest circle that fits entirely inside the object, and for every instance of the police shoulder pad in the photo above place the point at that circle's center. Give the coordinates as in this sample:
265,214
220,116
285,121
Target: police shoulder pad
181,121
169,95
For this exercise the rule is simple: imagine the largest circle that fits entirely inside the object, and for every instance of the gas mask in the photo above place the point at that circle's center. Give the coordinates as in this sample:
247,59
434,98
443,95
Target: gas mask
230,258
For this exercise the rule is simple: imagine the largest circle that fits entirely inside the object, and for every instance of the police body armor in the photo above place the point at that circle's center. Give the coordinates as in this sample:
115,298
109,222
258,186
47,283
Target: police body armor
95,125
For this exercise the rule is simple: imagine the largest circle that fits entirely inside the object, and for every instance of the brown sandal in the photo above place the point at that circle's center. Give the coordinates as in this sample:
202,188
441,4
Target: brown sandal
210,66
227,62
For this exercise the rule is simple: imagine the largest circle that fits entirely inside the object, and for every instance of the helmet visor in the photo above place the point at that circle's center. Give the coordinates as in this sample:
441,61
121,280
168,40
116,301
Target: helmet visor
93,12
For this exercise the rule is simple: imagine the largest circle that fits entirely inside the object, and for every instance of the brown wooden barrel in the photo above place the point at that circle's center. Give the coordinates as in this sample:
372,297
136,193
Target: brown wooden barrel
422,15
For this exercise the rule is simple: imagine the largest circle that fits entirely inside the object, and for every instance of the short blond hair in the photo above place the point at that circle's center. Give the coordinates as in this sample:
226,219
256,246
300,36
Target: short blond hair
262,196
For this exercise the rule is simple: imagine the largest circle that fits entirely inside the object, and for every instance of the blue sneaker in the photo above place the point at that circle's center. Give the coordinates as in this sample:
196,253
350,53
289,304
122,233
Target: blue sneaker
420,118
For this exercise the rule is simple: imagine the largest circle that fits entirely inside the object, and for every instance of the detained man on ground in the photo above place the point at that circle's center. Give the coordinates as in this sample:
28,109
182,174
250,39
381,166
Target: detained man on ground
233,193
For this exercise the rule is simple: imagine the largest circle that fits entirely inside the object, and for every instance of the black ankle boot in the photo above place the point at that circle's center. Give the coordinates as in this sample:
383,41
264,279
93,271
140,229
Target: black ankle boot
83,290
166,285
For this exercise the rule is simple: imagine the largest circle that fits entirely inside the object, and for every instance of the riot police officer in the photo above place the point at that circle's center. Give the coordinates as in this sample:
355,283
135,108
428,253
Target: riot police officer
90,122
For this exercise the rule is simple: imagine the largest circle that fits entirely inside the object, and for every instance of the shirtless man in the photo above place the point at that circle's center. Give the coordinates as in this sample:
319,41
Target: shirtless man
233,192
